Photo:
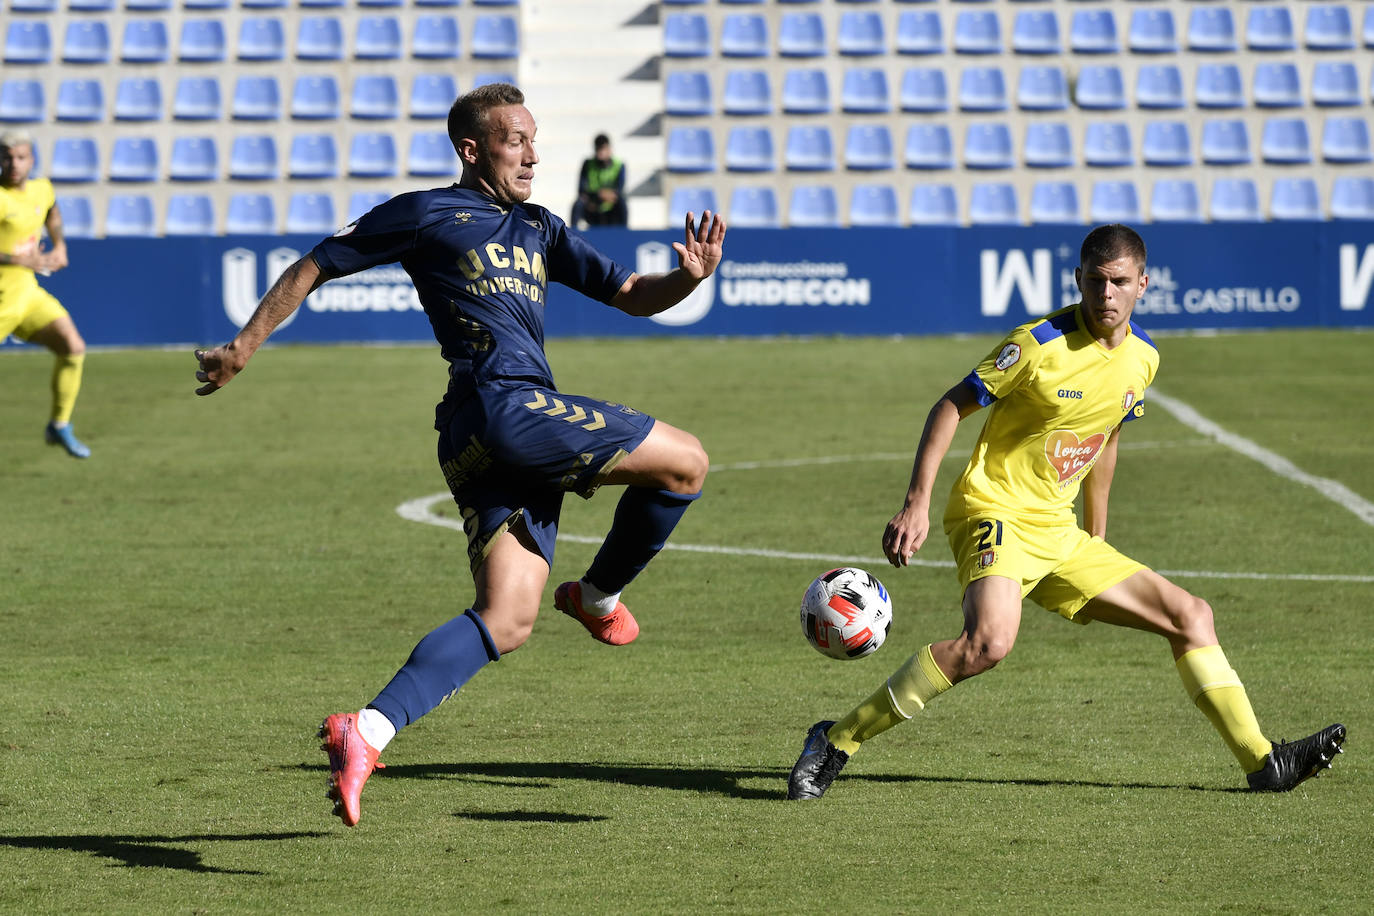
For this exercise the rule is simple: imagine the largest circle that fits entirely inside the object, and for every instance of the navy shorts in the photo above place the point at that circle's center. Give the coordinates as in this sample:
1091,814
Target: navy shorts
512,449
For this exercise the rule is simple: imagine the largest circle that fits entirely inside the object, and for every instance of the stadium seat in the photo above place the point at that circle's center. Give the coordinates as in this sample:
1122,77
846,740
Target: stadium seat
1328,28
315,98
80,100
1042,89
431,96
805,91
261,39
495,37
28,43
1352,197
193,159
1175,201
928,146
130,215
1295,199
749,149
1269,28
864,91
253,158
1212,29
920,32
87,41
202,41
1036,32
144,42
1284,141
1335,84
377,38
138,99
1107,144
1277,85
202,5
1152,32
809,149
375,98
1367,32
695,200
312,156
1167,143
487,77
250,214
1114,202
1234,200
924,90
868,148
687,93
744,35
982,89
1159,86
801,35
933,205
874,205
993,203
359,202
754,208
686,35
1093,31
90,6
21,101
197,98
78,216
431,155
977,32
813,207
74,159
860,34
435,38
1225,142
33,6
372,155
148,6
256,4
987,145
496,2
1345,140
690,149
1100,88
1047,145
190,214
256,98
319,38
310,213
1054,202
133,159
747,92
1218,86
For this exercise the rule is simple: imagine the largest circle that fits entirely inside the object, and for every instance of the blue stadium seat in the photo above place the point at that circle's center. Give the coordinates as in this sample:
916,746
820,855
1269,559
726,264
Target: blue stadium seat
1211,28
255,4
78,216
359,202
1225,142
1295,199
987,145
874,205
813,206
372,155
80,100
1345,140
21,101
435,38
261,39
695,200
1042,89
868,148
1328,28
1159,86
977,32
1054,202
431,155
749,149
74,159
190,214
1036,32
377,38
933,205
805,91
982,89
920,32
319,38
1269,28
375,98
253,158
1335,84
754,208
431,95
138,99
202,5
1100,88
496,2
133,159
1367,32
193,159
688,92
313,156
809,149
86,41
1093,31
1175,201
315,98
495,37
33,6
929,146
801,35
861,34
27,43
1277,85
690,149
747,92
144,42
146,6
1107,144
202,40
744,35
1352,197
924,90
1152,32
1218,86
993,203
1284,141
250,214
865,91
1167,143
197,98
1234,200
1114,202
487,77
256,98
1048,145
130,214
310,214
686,35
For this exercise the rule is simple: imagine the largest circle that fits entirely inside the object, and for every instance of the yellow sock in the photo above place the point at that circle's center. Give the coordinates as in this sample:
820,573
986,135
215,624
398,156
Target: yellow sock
66,383
1217,691
906,693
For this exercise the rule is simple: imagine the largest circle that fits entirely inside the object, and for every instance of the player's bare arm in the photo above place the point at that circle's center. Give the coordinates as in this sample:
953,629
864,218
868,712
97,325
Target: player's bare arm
1097,487
697,256
55,258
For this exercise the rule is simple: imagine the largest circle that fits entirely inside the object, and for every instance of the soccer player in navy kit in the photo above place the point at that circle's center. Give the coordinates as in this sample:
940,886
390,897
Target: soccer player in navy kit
510,444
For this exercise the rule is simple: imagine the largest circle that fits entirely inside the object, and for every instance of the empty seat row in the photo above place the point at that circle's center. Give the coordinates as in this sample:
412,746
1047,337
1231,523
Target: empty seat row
194,214
145,41
143,6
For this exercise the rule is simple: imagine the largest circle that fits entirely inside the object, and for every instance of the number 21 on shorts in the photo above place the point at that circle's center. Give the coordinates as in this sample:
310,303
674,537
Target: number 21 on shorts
989,534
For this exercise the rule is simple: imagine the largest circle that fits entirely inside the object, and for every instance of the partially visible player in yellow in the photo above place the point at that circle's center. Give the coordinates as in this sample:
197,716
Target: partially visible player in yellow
28,311
1060,390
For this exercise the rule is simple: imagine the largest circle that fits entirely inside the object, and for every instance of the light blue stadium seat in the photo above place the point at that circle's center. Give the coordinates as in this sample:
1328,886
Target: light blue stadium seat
987,145
202,41
80,100
744,35
372,155
1225,141
1212,29
311,214
861,34
1328,27
813,207
868,148
197,98
920,32
27,43
1093,31
87,41
130,215
1107,144
193,159
1335,84
688,93
319,38
1277,85
1234,200
982,89
749,149
1295,199
695,200
496,2
874,205
993,203
431,95
78,216
801,35
377,38
1367,31
1167,143
690,149
754,208
495,37
933,205
144,42
256,98
1036,32
1152,31
250,214
435,38
924,90
747,92
261,39
201,5
1345,140
1175,201
486,77
359,202
686,35
315,98
805,91
865,91
33,6
190,214
313,156
431,155
1285,141
1352,197
1100,88
1048,145
74,159
1054,202
929,146
1114,202
1218,86
977,32
253,158
22,101
259,4
133,159
138,99
1159,86
375,98
1269,28
1042,89
809,149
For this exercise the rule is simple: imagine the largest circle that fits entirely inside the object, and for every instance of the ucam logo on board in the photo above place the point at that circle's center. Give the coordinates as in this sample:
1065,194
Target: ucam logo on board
378,289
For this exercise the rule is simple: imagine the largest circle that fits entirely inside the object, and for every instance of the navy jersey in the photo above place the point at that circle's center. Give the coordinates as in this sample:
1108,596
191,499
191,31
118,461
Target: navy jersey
482,272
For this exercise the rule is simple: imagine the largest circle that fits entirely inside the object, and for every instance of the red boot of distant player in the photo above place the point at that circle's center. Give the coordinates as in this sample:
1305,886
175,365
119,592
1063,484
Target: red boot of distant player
351,761
615,629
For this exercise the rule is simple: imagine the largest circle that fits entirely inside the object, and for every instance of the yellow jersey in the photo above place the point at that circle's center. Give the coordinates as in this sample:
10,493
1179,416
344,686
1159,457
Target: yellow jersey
23,211
1056,395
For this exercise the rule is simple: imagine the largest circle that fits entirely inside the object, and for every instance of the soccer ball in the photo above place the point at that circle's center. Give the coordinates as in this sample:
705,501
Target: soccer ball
846,613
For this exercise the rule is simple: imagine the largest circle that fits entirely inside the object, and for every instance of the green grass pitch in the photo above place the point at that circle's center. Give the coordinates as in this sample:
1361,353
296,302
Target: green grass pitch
180,611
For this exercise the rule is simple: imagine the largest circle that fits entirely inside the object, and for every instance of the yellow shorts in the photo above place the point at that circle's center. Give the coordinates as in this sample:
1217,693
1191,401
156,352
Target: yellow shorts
27,310
1059,565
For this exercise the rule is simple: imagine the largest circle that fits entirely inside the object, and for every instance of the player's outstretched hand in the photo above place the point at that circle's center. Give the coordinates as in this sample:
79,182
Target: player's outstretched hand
702,250
217,368
905,534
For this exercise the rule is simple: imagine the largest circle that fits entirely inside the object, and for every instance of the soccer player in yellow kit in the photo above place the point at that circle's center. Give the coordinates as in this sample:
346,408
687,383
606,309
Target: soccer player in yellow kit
1060,389
28,311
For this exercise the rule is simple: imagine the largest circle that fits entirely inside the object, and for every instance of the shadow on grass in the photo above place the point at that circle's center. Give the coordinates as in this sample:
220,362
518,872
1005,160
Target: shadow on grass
148,851
530,817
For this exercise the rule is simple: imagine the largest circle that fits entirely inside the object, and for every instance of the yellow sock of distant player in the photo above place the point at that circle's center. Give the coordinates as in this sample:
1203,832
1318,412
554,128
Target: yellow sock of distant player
1217,691
66,383
906,693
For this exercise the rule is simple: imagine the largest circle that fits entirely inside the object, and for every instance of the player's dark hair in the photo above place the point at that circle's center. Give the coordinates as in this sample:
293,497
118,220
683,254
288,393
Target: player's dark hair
468,118
601,140
1107,243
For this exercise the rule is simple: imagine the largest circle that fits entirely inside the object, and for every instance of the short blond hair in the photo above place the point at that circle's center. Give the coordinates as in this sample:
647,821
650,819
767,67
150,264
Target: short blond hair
16,137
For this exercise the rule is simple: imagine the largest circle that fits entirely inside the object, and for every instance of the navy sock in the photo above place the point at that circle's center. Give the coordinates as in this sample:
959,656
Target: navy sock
644,518
443,661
